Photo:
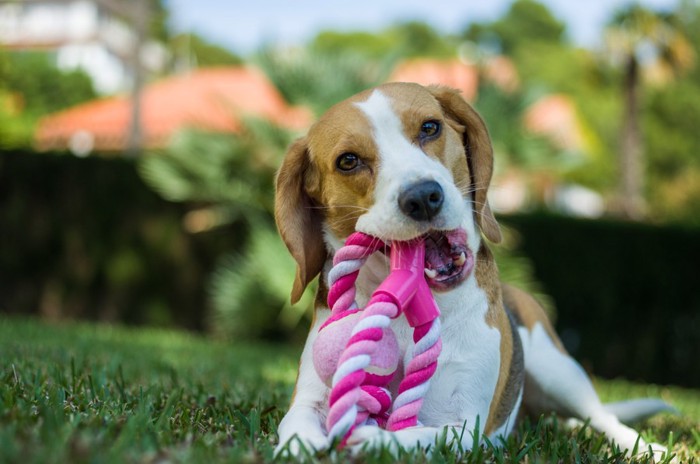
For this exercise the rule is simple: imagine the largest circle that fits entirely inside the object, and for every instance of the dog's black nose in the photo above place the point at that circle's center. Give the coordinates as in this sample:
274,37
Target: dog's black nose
422,201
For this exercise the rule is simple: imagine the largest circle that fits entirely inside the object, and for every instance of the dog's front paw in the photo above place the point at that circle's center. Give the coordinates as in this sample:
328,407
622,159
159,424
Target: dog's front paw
412,438
297,446
371,437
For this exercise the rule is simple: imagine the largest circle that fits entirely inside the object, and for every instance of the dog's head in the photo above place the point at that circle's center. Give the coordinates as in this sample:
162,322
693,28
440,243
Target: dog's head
397,162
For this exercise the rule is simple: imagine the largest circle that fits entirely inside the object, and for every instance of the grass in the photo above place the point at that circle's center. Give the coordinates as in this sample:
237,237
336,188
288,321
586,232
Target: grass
91,393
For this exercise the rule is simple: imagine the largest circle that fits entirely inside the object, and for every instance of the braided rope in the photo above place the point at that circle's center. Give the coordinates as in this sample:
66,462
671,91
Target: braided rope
352,400
416,381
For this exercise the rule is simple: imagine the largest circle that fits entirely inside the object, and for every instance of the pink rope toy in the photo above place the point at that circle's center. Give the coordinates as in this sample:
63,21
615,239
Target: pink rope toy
356,352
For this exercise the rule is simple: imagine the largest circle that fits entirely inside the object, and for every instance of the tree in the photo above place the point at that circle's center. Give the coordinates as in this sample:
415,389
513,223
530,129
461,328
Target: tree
226,181
30,87
670,126
198,52
320,79
641,40
419,39
43,87
403,40
526,22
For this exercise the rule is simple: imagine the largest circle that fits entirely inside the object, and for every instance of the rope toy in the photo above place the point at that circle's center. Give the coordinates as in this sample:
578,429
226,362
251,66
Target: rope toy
356,352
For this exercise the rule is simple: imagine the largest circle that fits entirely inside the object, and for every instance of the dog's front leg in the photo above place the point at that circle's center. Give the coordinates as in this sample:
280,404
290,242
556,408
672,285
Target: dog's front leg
302,428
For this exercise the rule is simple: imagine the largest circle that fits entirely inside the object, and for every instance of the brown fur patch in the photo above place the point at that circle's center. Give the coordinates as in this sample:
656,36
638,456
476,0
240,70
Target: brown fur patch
487,278
344,195
510,375
479,154
528,312
510,386
297,217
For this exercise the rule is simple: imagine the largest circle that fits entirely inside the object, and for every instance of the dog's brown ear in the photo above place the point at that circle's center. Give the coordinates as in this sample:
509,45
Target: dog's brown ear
479,151
299,223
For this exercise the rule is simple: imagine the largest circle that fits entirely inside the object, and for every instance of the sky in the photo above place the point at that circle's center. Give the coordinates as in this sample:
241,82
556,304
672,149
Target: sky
244,25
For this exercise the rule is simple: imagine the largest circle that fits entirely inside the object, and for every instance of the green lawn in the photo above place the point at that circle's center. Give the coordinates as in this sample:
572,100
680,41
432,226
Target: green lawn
89,393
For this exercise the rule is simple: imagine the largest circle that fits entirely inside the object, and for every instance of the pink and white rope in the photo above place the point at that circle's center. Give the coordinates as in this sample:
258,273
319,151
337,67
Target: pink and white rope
356,398
418,373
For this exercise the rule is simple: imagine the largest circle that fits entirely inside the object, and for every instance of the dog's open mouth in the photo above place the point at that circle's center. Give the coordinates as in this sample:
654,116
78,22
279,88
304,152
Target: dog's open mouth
448,260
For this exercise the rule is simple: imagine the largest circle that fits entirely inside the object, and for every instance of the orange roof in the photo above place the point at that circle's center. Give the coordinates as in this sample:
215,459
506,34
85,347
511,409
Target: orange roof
426,71
554,116
502,72
209,99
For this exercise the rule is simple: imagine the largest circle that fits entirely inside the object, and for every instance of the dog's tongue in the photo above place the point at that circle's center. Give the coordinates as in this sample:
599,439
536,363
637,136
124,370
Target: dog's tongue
445,252
436,254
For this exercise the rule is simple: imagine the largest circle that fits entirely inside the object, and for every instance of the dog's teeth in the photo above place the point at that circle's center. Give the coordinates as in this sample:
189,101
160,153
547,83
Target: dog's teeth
430,273
461,259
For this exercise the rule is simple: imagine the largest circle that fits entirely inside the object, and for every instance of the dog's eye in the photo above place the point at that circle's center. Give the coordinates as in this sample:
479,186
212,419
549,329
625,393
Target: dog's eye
429,129
347,162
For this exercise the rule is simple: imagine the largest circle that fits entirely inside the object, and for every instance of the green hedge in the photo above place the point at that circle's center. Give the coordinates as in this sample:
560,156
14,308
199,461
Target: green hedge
85,238
627,294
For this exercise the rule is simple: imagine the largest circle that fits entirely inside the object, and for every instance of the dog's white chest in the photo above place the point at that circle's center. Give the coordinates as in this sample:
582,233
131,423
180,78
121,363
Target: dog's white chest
464,383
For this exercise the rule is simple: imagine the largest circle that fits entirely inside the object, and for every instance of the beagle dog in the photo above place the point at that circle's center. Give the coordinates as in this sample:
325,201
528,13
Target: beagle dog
402,161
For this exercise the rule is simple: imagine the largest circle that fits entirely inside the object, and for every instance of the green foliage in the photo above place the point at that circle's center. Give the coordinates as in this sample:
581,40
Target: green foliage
373,46
86,393
599,106
202,53
664,44
320,79
419,39
503,113
213,168
404,40
547,64
42,87
526,22
652,37
555,67
30,87
158,27
670,123
16,127
230,178
250,293
642,42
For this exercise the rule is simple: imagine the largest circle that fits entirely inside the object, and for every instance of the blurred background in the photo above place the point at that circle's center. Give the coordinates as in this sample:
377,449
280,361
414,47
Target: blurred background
139,141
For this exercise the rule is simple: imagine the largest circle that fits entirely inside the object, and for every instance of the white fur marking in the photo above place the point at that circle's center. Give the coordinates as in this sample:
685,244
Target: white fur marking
402,163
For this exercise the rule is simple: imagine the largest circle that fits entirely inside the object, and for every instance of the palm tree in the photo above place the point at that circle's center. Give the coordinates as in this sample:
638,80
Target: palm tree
642,41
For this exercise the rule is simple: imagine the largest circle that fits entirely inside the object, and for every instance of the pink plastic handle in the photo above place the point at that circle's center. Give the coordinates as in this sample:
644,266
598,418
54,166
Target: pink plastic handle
406,284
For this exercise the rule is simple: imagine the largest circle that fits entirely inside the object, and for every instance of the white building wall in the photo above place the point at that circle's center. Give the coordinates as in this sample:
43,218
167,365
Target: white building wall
83,36
108,73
